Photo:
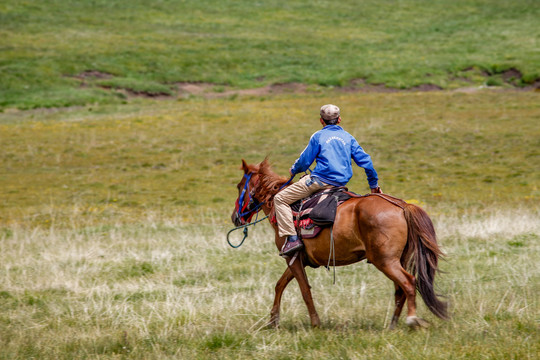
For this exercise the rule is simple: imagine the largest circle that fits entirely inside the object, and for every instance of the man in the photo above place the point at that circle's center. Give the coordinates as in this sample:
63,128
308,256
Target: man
332,148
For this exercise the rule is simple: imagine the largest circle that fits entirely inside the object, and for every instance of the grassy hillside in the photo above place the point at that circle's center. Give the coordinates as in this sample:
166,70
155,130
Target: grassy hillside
61,53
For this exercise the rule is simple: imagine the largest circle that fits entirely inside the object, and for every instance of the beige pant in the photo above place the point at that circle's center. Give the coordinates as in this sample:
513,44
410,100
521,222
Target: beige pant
299,190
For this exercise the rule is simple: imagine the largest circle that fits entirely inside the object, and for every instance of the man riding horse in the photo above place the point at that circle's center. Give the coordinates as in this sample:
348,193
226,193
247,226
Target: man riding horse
332,148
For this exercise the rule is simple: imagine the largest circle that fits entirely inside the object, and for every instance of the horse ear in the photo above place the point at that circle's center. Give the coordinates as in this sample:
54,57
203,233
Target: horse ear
245,166
265,164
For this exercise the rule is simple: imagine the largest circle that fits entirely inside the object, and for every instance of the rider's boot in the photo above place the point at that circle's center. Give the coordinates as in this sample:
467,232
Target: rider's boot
292,245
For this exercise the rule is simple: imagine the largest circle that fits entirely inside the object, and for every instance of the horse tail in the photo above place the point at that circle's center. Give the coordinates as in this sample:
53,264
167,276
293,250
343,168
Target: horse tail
421,255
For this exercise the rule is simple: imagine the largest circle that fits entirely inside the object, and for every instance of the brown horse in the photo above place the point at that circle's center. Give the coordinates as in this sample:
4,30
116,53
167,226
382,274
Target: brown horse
398,238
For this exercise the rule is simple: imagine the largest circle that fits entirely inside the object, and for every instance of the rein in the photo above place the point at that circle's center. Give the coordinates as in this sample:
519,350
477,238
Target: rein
245,226
241,213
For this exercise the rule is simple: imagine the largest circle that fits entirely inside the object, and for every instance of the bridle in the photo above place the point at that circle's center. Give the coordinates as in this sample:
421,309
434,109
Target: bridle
245,208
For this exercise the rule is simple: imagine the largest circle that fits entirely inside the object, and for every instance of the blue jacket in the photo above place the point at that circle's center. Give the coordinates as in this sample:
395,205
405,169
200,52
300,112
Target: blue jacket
332,148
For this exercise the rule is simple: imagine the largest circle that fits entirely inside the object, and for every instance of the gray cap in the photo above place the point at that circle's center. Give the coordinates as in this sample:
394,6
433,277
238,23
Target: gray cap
329,112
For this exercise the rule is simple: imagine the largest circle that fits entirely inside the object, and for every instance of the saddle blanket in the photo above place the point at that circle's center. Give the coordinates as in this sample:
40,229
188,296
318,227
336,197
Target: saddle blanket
318,211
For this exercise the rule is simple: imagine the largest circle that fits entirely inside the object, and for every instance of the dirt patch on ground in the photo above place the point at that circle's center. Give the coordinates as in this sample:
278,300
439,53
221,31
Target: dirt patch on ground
358,85
211,91
361,85
512,76
141,94
93,74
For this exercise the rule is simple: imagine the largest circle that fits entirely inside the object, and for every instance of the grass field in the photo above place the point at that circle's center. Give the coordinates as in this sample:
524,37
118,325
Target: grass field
62,53
451,151
117,181
113,222
162,290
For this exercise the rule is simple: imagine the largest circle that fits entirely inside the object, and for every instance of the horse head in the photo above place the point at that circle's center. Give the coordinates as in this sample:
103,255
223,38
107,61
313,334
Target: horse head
255,190
246,204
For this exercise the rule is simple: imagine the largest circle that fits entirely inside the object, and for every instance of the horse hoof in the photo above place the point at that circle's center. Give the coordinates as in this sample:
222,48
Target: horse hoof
393,323
273,323
416,322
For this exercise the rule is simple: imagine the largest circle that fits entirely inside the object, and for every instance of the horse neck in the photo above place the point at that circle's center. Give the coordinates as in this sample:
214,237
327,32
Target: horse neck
269,185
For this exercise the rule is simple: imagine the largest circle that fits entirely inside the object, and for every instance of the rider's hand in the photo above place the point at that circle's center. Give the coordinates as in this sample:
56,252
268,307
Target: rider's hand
376,190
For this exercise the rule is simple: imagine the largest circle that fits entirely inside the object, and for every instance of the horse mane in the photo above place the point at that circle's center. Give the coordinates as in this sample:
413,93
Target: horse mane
269,183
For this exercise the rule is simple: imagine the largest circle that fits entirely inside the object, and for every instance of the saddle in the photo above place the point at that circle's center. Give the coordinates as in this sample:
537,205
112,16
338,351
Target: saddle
318,211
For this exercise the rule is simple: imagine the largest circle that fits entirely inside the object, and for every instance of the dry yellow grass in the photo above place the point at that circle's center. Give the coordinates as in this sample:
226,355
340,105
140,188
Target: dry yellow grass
161,290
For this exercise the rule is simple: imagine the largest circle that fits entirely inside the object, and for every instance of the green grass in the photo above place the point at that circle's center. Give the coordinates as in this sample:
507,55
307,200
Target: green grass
46,45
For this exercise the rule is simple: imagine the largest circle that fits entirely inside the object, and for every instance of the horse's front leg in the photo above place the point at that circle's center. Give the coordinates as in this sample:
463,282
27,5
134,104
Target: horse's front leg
280,287
298,271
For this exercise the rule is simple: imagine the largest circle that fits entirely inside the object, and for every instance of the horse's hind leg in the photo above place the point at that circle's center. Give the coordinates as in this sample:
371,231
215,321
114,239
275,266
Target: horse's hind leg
407,283
280,287
399,297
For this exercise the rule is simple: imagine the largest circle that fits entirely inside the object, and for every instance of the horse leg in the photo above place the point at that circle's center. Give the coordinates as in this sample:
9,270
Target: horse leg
395,272
297,269
280,287
399,297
